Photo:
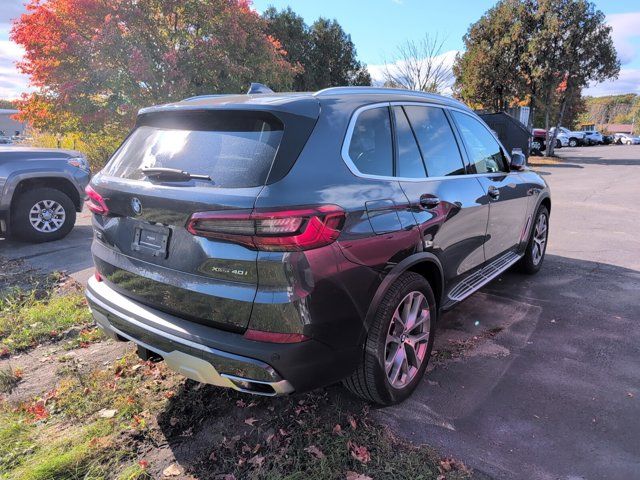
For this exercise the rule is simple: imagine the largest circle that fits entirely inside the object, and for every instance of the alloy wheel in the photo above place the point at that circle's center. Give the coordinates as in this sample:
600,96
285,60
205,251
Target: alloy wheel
47,216
407,339
539,239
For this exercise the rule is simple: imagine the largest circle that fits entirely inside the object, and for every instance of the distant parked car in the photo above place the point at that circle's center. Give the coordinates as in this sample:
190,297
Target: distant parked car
562,140
40,192
593,137
607,139
6,141
575,138
626,139
539,141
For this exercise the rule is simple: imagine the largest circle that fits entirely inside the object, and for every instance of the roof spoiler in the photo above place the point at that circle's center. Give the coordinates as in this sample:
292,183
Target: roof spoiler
258,88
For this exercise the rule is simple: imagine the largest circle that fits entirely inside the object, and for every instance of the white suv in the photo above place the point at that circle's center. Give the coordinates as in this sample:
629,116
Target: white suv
574,138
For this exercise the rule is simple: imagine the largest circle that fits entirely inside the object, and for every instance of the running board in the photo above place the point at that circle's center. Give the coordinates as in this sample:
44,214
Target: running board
482,277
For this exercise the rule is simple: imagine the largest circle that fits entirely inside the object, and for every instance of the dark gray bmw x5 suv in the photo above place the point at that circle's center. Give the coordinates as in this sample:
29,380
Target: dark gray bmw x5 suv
275,243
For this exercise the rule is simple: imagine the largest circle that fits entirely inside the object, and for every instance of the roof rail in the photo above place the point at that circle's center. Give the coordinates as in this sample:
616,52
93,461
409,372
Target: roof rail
384,90
212,95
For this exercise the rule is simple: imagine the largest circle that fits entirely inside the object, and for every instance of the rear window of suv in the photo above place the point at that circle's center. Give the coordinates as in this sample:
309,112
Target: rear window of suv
236,149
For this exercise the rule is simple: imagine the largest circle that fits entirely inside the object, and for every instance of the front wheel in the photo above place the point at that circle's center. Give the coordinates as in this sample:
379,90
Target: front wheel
42,215
573,142
399,343
537,245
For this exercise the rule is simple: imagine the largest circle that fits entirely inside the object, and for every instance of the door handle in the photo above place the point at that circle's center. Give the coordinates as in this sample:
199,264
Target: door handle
429,202
494,192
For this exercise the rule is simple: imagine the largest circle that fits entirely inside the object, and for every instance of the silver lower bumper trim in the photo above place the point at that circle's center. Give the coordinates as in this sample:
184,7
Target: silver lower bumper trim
188,365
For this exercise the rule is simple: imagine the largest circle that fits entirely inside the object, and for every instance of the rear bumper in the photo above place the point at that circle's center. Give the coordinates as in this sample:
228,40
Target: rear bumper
214,356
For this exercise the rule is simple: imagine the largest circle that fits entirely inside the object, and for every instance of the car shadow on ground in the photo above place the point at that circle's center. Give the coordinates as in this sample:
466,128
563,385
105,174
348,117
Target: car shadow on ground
594,159
70,254
527,364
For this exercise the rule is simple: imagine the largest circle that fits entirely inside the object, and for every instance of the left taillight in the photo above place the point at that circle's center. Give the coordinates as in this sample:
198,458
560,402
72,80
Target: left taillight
95,202
287,230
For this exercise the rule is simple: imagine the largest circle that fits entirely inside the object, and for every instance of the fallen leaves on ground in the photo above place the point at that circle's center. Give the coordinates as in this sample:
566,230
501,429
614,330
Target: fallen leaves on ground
359,452
172,470
352,422
356,476
107,413
315,451
256,461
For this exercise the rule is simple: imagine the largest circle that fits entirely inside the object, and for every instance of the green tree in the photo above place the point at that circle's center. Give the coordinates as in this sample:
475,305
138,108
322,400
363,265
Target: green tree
492,72
333,59
324,54
574,48
293,34
553,49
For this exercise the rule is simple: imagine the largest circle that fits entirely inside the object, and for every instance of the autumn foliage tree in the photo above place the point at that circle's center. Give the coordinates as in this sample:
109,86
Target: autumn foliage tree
96,62
536,52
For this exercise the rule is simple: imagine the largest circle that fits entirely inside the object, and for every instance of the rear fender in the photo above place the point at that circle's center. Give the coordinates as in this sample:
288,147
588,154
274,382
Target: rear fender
392,276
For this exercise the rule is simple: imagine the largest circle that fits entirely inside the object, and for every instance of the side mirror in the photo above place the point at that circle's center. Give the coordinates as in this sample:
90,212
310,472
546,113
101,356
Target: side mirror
518,162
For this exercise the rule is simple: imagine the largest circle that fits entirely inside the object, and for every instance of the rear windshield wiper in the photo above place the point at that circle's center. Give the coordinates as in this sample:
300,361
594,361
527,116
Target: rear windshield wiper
172,174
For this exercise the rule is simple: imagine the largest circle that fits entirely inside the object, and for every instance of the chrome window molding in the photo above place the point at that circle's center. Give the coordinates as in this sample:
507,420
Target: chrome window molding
354,170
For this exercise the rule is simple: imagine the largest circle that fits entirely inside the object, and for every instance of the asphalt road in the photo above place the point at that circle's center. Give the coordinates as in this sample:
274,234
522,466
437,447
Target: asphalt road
71,254
555,394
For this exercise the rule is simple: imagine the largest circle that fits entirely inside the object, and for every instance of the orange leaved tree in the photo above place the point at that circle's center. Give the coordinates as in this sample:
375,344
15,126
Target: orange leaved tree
96,62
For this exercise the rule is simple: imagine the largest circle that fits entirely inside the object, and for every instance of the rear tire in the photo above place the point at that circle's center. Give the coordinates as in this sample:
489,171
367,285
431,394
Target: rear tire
42,215
399,343
537,245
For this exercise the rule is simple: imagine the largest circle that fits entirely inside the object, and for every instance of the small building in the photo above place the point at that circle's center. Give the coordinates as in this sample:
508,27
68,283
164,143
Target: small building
10,127
617,128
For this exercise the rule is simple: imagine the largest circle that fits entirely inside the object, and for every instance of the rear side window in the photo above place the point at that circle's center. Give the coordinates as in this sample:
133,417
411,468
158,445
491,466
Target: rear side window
370,148
436,140
484,150
235,150
409,163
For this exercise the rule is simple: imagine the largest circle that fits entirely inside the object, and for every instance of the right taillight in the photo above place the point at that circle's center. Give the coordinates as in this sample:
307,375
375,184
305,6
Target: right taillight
95,202
287,230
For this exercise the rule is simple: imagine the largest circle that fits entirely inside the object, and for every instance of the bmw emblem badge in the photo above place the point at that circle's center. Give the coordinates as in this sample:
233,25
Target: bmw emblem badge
136,206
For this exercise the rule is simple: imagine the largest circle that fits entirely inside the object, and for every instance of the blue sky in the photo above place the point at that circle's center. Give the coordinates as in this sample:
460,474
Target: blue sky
377,27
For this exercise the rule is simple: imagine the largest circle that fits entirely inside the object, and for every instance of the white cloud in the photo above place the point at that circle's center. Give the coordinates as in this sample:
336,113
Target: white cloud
625,28
625,34
627,82
12,82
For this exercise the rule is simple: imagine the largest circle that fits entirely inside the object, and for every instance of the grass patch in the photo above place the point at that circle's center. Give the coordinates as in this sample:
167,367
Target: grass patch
42,313
79,429
111,424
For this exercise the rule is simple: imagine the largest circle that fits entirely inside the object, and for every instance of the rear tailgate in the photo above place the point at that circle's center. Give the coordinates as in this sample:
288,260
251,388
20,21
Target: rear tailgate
152,258
143,248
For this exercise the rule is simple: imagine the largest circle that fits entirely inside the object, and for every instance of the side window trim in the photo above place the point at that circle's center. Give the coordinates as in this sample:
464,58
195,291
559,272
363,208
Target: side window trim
454,127
346,158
